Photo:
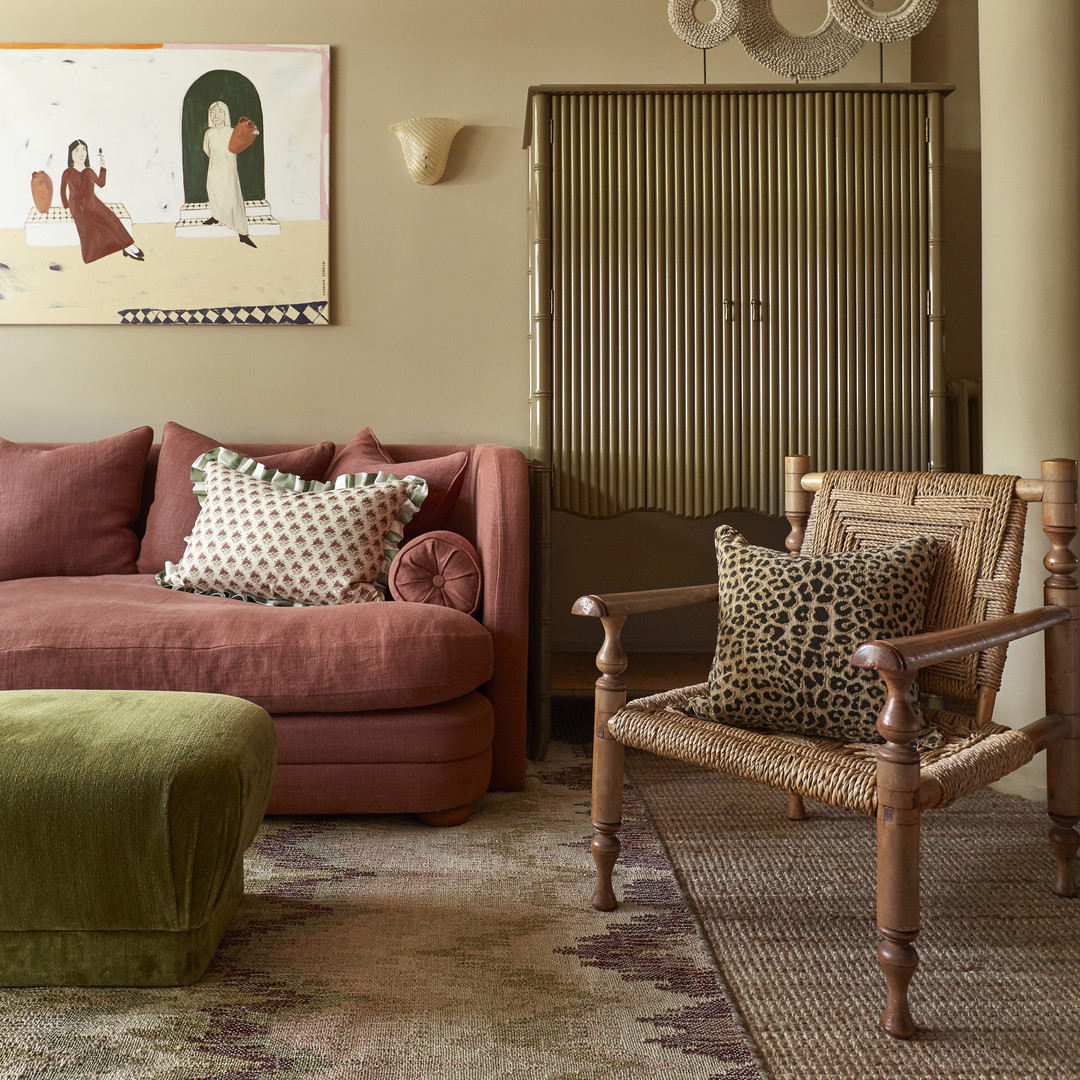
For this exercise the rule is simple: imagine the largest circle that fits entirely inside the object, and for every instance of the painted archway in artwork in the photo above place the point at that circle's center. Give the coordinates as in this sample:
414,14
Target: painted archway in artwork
239,93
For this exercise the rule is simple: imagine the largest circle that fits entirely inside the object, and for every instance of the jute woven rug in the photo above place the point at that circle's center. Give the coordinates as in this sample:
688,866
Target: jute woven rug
788,908
380,948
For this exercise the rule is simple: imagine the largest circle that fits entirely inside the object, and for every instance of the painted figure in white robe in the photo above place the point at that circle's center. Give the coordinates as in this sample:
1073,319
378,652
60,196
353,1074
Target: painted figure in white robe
222,180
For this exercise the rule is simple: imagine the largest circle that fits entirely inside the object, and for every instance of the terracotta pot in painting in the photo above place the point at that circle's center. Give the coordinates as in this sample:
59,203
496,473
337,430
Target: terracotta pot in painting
243,135
41,188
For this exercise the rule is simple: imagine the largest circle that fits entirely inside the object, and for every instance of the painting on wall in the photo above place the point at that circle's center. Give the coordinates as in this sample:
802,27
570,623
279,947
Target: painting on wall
164,184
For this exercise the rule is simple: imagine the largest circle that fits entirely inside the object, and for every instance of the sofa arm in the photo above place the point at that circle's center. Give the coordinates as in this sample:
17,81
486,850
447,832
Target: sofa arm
493,511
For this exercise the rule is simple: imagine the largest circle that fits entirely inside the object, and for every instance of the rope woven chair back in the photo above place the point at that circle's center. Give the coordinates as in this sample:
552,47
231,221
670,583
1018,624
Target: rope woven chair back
980,520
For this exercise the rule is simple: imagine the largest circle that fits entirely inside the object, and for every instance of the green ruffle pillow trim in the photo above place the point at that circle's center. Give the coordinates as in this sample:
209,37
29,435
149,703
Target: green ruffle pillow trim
414,499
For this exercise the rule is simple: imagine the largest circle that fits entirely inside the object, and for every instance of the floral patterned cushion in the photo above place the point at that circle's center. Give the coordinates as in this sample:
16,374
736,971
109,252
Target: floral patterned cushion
788,627
276,538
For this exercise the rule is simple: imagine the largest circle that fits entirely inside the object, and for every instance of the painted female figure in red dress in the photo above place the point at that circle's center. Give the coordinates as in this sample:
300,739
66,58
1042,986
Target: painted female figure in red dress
100,230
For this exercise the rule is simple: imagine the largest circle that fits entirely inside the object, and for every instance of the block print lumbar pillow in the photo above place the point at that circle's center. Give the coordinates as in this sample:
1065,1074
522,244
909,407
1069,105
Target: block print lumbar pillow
274,537
789,624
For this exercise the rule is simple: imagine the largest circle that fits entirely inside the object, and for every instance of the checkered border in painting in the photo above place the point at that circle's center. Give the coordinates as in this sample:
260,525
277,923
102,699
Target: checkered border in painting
258,315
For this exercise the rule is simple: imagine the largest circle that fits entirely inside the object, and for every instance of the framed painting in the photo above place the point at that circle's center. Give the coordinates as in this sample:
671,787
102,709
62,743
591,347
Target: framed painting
165,184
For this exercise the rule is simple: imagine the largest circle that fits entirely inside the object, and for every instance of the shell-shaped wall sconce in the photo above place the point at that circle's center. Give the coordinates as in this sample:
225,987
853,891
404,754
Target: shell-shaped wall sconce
425,142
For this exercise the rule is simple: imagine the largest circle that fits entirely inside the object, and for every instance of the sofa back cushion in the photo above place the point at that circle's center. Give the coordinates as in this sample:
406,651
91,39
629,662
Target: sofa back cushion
68,510
175,507
444,474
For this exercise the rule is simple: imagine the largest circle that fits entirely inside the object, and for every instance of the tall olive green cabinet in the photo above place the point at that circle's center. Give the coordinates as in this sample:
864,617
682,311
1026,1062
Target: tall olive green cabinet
719,276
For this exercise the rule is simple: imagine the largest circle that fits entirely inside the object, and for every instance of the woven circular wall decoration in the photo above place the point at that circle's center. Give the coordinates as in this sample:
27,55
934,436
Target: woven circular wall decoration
911,17
703,35
798,56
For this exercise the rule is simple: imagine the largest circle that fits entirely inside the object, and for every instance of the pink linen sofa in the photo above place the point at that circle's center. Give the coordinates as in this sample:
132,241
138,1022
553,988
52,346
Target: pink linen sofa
389,707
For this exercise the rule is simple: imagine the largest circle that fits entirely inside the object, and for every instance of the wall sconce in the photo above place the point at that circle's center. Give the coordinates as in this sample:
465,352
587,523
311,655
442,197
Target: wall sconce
425,142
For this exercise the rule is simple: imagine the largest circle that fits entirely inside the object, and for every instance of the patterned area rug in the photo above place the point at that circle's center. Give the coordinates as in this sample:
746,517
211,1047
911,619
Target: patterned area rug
789,910
380,948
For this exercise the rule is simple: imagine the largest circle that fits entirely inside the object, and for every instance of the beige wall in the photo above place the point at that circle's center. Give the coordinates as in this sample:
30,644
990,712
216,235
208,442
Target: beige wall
1031,320
428,284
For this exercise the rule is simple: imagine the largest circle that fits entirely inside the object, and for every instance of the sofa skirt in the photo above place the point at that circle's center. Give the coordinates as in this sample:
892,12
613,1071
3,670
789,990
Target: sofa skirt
420,760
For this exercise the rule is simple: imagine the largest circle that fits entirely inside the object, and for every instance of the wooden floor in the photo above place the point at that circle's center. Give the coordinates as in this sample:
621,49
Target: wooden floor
573,674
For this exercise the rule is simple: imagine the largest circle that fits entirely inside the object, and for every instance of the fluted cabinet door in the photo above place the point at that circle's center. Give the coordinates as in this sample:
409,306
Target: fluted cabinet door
736,275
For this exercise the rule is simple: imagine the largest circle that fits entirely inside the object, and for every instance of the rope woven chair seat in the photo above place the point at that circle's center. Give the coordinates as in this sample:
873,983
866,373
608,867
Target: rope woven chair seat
840,774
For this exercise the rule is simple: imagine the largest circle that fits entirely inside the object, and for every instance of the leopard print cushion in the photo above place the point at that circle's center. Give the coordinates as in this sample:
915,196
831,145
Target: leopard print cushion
788,627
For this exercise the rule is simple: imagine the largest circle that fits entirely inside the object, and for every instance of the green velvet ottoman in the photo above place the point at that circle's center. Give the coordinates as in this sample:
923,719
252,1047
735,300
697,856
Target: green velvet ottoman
124,816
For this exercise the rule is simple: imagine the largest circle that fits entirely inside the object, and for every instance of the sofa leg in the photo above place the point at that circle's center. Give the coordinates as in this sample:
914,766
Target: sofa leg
442,818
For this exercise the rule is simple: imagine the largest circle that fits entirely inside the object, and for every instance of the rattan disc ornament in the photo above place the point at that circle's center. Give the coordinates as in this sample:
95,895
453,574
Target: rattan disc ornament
703,35
903,22
797,56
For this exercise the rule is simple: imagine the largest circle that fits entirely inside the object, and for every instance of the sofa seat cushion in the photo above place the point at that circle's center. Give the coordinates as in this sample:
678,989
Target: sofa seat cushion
125,632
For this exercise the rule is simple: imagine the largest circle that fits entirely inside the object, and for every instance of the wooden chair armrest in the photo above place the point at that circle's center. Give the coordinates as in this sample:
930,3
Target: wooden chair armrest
629,603
923,650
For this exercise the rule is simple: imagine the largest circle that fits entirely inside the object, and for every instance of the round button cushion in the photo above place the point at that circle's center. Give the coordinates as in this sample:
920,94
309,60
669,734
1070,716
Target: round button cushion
437,568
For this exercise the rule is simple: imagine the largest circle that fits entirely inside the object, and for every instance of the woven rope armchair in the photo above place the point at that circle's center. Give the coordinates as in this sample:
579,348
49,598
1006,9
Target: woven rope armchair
958,662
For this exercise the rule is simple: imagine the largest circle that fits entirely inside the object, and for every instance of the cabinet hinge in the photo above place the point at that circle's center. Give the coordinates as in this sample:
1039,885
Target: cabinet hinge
926,128
551,130
551,303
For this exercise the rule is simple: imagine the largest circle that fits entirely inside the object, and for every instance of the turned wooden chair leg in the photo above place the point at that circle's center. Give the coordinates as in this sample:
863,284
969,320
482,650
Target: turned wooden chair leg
1063,806
796,808
898,913
898,958
1062,677
1065,842
607,764
898,818
607,784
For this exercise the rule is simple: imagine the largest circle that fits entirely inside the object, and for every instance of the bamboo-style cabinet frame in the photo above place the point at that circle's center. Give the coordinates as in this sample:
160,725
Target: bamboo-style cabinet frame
720,276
